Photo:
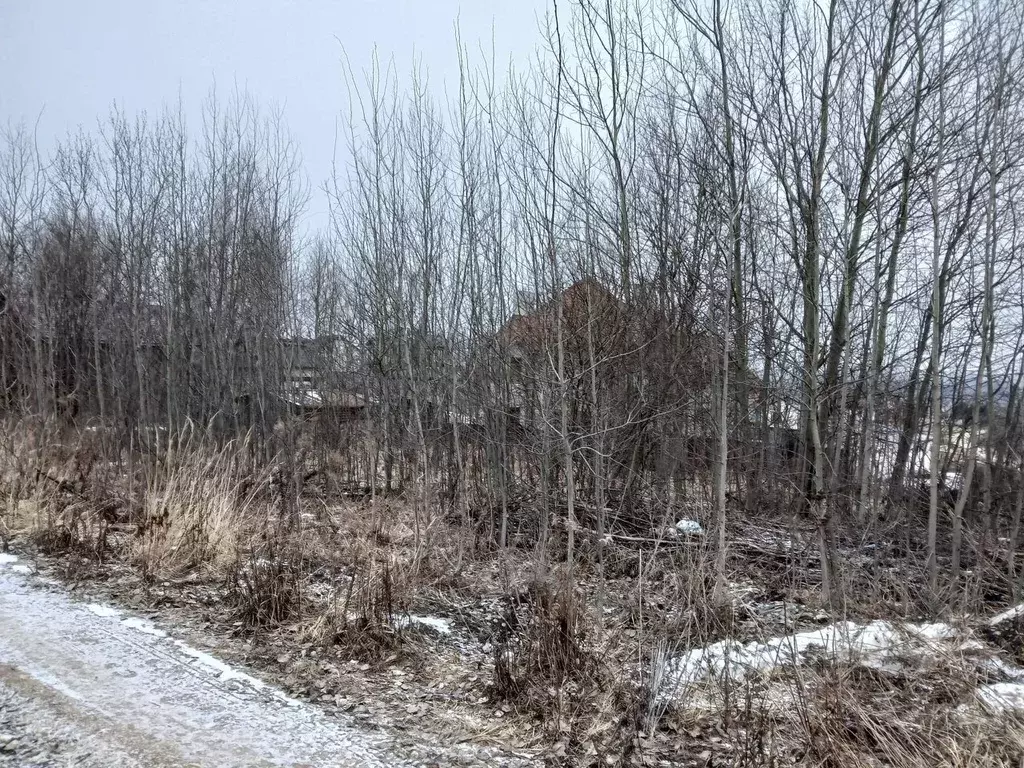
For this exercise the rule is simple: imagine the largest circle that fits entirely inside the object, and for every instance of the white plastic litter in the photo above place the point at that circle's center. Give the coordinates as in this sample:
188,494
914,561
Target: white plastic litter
689,527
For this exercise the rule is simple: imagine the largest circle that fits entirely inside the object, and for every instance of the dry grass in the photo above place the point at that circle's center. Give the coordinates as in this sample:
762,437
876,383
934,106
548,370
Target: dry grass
266,588
571,661
362,619
201,508
58,489
835,713
550,664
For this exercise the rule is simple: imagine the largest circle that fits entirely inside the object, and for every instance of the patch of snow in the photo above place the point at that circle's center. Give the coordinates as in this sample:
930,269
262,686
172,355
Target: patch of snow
21,568
439,625
878,644
102,610
149,688
1013,613
972,644
6,559
933,632
223,672
226,673
1002,698
143,626
997,666
685,526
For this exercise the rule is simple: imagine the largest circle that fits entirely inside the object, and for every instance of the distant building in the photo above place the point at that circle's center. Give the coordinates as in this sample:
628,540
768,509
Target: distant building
314,383
626,343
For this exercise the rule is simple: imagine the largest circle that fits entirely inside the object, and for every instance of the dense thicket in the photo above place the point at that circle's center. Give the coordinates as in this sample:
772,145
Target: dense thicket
713,257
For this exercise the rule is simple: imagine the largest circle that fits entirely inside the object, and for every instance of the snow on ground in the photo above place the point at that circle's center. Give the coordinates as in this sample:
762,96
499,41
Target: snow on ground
157,698
227,673
880,645
103,611
1002,698
33,734
8,560
439,625
222,671
117,684
1016,612
143,626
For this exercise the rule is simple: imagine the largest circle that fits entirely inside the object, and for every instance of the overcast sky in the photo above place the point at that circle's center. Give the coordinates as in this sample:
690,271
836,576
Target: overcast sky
65,62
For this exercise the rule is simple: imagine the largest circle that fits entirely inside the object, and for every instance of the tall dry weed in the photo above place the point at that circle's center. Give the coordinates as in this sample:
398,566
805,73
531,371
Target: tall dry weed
201,506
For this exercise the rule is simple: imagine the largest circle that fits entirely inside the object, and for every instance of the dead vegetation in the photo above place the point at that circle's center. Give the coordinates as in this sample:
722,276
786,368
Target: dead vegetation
330,593
636,353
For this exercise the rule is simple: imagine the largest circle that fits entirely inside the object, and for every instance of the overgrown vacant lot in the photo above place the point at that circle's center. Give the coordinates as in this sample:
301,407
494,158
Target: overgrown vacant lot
653,398
405,616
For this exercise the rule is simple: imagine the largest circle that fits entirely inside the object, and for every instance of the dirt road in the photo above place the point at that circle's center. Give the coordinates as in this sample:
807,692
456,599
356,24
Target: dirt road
86,685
